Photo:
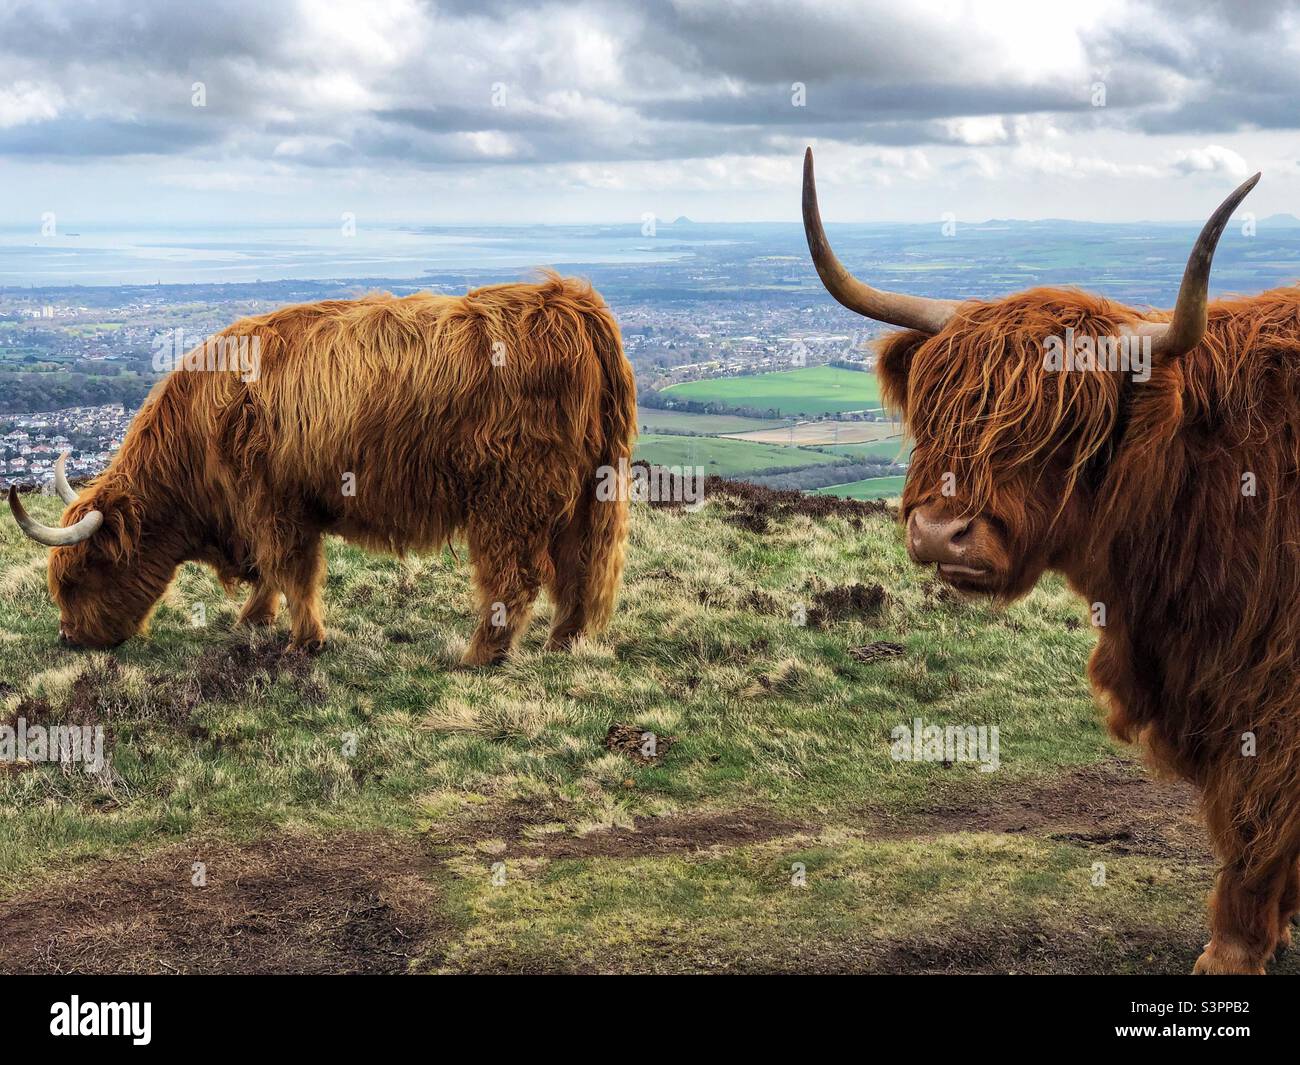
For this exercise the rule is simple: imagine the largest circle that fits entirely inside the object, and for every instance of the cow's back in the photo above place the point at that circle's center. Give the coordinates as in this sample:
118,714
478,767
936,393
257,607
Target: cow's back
390,417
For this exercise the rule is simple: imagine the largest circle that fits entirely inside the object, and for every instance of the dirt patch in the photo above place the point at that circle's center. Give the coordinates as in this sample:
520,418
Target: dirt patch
287,904
231,668
88,703
674,835
641,745
1115,805
1028,948
846,601
686,834
873,652
240,668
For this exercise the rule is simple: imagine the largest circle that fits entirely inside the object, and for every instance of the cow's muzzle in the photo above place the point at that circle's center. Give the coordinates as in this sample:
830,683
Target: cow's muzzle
956,545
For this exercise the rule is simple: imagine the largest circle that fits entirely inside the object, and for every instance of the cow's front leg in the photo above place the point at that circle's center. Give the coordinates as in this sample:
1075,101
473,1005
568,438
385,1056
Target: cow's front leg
1289,906
301,574
262,606
1244,919
510,564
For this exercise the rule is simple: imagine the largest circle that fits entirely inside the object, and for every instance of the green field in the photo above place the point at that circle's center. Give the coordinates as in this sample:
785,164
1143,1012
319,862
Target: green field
726,458
807,392
379,808
651,419
871,488
897,450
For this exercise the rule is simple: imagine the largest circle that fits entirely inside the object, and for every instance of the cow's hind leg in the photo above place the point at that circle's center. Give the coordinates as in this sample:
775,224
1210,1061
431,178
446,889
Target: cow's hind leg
588,556
569,586
511,562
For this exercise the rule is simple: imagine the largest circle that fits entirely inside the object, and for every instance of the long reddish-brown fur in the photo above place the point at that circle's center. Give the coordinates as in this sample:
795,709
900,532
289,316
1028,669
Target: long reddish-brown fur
395,423
1141,495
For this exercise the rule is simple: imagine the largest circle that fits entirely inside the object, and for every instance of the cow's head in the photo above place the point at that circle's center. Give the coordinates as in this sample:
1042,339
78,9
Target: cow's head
100,577
1007,450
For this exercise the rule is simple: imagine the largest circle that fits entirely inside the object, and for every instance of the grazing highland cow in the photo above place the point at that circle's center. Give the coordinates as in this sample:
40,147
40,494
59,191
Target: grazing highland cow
1168,494
394,423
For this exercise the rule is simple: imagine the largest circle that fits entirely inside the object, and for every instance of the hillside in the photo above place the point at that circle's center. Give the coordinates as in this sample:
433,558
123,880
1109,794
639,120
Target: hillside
377,808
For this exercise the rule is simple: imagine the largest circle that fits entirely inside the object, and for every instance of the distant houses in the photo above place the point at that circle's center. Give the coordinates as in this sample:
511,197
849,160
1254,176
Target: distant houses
29,450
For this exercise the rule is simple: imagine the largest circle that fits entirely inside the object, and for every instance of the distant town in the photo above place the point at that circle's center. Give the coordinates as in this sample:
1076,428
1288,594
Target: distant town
90,435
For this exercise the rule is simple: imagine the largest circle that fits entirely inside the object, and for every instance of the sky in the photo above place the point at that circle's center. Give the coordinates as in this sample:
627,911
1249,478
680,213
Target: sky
244,112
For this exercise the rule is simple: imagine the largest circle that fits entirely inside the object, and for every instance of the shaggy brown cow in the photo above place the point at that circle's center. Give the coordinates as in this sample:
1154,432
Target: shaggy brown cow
394,423
1173,504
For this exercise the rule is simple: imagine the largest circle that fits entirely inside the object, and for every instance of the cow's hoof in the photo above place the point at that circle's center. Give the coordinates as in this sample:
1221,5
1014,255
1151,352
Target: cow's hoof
482,656
1226,960
311,646
257,621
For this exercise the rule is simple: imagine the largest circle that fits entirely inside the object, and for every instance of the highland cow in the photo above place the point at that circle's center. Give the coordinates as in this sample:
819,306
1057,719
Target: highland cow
398,424
1172,503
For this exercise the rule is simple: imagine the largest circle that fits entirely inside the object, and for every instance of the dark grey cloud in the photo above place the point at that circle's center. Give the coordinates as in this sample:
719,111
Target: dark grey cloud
607,81
84,137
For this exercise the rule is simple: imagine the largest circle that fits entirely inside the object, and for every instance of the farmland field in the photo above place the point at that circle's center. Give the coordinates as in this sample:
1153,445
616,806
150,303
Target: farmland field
824,433
651,419
723,456
870,488
808,391
378,808
895,449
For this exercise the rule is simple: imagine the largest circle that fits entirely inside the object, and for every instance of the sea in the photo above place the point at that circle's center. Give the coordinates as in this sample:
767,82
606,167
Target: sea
197,255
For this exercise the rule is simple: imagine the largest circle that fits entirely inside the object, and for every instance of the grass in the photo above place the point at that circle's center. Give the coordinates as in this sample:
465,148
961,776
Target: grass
726,458
717,645
809,391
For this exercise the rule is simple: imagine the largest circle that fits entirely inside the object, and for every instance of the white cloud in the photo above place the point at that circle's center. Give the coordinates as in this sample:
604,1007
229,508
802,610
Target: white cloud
1212,159
25,102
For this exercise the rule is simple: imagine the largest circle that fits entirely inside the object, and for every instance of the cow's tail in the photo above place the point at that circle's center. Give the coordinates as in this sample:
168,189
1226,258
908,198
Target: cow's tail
608,490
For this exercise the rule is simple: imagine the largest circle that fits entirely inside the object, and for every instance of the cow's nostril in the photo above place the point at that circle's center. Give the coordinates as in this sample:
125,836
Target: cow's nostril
937,539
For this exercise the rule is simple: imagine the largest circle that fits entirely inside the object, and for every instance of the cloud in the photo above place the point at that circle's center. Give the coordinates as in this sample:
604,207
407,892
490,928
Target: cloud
601,90
1212,159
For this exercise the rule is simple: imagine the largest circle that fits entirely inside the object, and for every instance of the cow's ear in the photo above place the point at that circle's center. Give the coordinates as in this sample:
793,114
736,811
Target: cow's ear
118,537
894,353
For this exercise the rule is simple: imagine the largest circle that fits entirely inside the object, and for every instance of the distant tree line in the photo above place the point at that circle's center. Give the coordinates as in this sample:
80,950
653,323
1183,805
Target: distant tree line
650,398
810,477
24,393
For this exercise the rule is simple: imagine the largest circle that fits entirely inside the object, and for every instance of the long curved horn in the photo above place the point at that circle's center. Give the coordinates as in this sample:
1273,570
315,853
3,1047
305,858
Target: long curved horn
910,312
1185,330
50,535
61,482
